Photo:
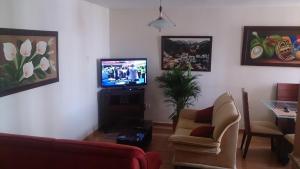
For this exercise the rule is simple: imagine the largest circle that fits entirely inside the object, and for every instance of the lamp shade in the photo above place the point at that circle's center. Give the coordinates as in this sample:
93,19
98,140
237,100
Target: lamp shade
161,23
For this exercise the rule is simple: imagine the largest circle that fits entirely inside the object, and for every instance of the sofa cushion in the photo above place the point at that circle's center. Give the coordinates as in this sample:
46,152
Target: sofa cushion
35,153
204,115
17,151
203,131
222,99
183,131
189,124
94,154
226,114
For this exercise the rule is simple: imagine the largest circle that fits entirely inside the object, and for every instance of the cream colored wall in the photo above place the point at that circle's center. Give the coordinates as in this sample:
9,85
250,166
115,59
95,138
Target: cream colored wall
67,109
130,37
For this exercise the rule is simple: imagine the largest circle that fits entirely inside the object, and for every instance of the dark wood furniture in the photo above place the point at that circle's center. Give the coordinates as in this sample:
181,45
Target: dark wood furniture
257,128
286,92
120,108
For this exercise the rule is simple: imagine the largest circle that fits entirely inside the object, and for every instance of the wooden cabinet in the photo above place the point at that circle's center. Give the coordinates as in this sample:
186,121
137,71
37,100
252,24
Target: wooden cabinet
120,108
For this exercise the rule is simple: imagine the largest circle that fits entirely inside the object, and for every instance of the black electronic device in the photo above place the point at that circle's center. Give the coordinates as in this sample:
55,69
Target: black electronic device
122,72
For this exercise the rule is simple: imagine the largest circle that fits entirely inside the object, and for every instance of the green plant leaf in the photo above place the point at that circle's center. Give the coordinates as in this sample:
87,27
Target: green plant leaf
180,89
276,37
6,83
32,79
47,56
268,50
49,71
36,60
254,42
10,69
40,74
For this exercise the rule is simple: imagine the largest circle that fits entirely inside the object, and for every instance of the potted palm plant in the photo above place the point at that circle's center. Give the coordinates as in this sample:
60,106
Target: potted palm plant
180,89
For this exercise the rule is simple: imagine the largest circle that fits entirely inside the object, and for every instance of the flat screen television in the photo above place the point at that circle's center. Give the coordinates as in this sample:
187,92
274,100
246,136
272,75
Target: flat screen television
122,72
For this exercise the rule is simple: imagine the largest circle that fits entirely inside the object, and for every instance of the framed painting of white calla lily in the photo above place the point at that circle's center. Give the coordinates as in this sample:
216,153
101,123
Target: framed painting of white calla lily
28,59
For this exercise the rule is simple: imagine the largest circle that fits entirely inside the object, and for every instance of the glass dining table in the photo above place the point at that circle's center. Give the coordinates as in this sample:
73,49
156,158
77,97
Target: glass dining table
286,114
283,109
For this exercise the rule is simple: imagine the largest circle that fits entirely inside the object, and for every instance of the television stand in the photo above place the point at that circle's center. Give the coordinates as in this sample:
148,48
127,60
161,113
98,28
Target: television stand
120,108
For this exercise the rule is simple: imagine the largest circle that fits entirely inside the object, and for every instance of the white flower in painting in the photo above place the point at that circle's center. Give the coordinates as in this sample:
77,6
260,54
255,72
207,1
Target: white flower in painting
52,64
26,48
50,41
41,47
28,70
10,51
254,33
44,64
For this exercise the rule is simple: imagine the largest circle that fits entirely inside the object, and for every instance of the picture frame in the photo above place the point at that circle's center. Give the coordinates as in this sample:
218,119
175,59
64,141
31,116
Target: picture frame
186,52
271,46
28,59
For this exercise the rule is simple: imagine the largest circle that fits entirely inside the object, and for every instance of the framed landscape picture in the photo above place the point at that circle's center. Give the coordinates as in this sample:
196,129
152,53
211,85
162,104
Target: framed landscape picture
28,59
271,46
186,52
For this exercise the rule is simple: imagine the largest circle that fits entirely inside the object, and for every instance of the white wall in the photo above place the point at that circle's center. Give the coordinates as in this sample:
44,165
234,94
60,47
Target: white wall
67,109
130,36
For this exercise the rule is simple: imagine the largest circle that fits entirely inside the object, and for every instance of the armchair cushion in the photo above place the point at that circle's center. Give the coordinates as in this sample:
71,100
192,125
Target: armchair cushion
204,115
194,141
203,131
189,124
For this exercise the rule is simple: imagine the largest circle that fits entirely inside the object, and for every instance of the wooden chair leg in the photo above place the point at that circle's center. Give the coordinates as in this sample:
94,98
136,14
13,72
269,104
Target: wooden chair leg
248,140
272,144
177,167
283,150
243,140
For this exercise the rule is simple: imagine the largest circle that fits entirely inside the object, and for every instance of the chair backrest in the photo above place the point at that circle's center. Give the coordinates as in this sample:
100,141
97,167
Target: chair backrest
287,91
246,111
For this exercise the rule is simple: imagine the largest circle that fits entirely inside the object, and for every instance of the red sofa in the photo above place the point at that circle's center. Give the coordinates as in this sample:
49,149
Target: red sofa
27,152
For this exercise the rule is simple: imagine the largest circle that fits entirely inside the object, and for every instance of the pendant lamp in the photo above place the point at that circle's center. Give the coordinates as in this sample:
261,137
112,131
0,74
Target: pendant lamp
162,22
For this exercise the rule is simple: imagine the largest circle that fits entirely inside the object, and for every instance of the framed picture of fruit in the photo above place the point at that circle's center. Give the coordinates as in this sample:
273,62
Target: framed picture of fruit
28,59
271,46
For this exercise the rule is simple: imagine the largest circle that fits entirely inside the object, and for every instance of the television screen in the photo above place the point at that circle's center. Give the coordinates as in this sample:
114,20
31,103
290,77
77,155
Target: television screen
122,72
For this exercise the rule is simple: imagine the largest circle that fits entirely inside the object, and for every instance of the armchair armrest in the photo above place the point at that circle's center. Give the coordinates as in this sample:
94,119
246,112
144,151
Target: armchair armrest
153,160
195,141
195,144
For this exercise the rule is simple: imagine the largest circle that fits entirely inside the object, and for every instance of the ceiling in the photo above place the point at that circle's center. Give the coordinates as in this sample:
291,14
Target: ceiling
191,3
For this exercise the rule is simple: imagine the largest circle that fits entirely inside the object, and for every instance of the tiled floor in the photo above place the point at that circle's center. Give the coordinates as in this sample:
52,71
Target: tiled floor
259,155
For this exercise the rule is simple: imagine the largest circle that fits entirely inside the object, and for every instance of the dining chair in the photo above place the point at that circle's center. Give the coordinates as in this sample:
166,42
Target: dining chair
257,128
287,91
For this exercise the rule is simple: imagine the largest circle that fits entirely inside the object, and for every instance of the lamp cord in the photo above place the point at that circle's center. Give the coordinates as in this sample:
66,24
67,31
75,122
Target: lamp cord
160,9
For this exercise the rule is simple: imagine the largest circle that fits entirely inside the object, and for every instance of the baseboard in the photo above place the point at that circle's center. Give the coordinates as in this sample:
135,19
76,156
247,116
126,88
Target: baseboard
166,124
89,133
